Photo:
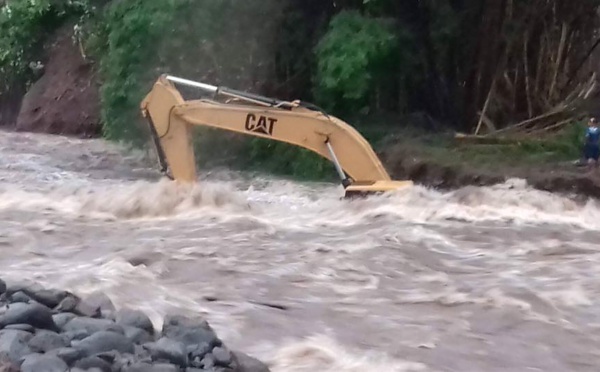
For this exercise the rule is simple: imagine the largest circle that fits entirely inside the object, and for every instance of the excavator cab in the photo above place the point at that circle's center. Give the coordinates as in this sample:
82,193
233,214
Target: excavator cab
172,119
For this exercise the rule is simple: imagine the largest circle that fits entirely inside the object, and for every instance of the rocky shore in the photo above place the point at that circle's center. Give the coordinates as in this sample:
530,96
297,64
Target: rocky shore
50,330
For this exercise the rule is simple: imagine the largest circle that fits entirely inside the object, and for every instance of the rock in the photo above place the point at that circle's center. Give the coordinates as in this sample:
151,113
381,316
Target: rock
198,351
246,363
208,362
135,318
50,298
195,362
44,341
75,335
47,297
13,344
4,298
104,341
122,361
138,367
68,354
41,362
164,367
90,307
62,318
69,304
74,304
21,327
222,356
148,367
99,303
189,331
109,356
90,362
169,350
85,310
20,297
92,344
141,354
92,325
2,286
137,335
34,314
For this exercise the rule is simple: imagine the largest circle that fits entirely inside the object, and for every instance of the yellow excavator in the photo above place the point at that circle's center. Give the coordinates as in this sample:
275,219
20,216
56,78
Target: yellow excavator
172,119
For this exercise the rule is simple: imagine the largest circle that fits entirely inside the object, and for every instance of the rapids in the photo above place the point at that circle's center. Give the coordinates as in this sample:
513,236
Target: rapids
487,279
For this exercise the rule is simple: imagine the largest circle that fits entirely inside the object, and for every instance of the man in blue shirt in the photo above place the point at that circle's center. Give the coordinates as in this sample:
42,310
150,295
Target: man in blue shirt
591,148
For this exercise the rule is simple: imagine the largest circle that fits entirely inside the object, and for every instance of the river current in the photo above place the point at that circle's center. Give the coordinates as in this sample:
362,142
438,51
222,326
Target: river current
502,278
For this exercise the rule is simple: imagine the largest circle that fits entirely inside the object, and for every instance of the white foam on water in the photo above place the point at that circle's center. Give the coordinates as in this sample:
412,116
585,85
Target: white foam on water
67,215
325,354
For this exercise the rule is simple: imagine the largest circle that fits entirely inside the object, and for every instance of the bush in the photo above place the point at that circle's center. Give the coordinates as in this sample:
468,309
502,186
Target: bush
353,56
23,27
131,30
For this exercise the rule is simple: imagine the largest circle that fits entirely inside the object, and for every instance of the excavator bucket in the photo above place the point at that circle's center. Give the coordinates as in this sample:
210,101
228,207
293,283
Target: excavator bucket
356,190
172,118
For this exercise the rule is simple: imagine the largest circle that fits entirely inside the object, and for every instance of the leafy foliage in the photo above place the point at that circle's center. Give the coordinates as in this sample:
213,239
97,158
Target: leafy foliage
352,58
23,27
131,29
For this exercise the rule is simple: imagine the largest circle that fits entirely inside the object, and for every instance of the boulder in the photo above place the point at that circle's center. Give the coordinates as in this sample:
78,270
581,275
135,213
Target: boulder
47,297
68,354
189,331
44,341
43,362
135,318
21,327
34,314
246,363
168,350
92,325
13,345
93,362
104,341
61,319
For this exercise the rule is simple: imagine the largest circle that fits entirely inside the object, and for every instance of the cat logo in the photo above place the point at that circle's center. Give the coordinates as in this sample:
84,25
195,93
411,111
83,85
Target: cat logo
263,125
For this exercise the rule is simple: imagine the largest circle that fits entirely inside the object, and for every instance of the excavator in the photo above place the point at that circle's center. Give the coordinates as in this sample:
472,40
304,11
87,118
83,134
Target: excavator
172,119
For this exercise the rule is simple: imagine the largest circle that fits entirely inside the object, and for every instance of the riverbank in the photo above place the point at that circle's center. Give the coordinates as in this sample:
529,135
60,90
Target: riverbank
57,331
442,162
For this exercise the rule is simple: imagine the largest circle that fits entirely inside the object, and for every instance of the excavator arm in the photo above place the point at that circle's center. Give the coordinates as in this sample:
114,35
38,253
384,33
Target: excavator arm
172,120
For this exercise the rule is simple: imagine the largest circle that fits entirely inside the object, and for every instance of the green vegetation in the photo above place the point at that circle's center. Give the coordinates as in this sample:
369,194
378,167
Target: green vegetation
371,62
126,51
23,27
554,150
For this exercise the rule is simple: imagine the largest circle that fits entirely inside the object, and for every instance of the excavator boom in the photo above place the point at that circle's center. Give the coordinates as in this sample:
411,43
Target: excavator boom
172,120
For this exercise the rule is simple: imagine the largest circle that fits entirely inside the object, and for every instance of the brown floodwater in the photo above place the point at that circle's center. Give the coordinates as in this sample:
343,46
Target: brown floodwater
501,278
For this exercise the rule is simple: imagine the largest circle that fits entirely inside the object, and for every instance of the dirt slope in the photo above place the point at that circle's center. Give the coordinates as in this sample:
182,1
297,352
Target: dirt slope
65,100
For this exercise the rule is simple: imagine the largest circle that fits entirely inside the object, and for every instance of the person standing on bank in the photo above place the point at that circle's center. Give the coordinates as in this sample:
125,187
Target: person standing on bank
591,147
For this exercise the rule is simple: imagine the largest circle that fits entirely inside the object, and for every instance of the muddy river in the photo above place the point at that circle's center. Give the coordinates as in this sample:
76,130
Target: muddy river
502,278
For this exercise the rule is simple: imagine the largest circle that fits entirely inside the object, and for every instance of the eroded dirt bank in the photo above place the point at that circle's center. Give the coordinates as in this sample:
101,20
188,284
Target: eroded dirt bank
559,178
64,99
